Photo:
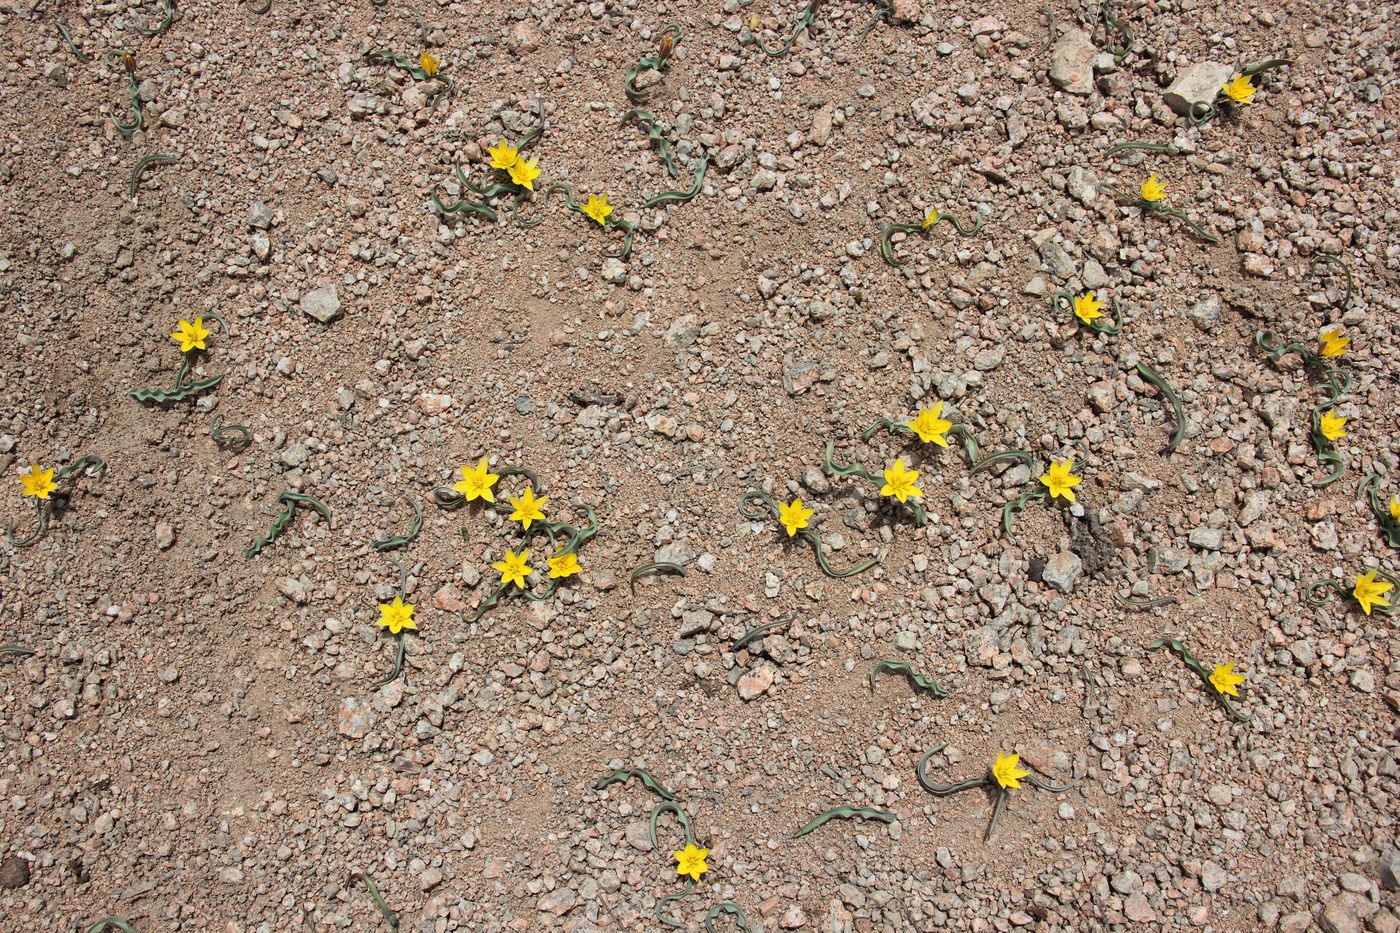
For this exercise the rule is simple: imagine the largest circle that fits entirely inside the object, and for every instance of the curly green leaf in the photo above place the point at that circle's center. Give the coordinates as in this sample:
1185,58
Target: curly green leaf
918,680
1151,376
660,566
390,917
622,776
847,813
394,542
136,173
290,501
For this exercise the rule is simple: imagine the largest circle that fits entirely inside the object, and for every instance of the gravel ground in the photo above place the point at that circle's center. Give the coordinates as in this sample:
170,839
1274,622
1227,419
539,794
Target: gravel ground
197,742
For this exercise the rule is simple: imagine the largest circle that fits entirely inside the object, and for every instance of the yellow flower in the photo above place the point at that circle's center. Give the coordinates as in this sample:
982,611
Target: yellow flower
1333,343
476,482
1225,680
1153,190
1331,425
190,334
514,569
930,219
754,22
428,64
397,616
1395,509
1240,89
1371,592
524,173
527,508
930,425
794,515
899,482
598,208
37,483
1086,307
691,861
1008,771
1060,480
503,155
565,565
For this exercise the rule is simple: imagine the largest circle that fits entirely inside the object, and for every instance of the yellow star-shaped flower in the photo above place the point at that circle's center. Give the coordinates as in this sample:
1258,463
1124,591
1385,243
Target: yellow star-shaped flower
514,568
1153,189
503,155
930,425
1395,509
427,63
794,516
524,172
565,565
1060,480
37,483
1240,89
527,508
1331,425
1371,592
597,207
476,482
190,335
1225,680
900,482
1087,307
691,861
930,219
1008,771
1333,343
397,616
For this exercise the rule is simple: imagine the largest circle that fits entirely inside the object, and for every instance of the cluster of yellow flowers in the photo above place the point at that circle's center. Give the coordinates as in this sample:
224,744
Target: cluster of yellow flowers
508,159
476,483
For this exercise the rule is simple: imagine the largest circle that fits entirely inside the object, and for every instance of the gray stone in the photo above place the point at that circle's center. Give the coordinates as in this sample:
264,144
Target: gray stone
295,455
1345,913
1093,275
322,304
1213,877
354,720
1390,870
614,271
1062,570
1056,260
1084,188
683,331
1206,313
1197,83
259,215
1208,539
1072,62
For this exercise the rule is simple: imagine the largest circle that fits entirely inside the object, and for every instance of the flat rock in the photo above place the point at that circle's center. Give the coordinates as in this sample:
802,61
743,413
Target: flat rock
354,720
14,872
1072,62
756,682
1062,570
1197,83
322,304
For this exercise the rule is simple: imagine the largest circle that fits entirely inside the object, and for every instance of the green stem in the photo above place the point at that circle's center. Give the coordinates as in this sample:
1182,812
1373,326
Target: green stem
141,166
1150,375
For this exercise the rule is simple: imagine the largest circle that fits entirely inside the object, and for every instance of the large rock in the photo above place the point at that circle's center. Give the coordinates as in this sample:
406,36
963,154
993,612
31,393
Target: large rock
1197,84
322,304
1072,62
